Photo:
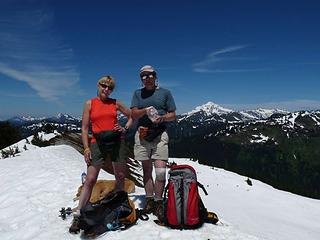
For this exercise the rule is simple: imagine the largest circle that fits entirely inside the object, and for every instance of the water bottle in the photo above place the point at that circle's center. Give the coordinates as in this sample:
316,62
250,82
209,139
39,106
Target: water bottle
152,113
83,177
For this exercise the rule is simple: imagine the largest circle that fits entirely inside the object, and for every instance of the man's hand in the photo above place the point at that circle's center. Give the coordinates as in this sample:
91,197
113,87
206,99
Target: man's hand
143,131
159,119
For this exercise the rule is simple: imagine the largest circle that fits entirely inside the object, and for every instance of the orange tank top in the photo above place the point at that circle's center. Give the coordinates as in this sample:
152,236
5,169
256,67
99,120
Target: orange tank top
103,115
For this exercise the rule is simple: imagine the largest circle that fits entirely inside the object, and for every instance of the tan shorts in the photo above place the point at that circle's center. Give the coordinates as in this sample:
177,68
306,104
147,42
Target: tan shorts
156,150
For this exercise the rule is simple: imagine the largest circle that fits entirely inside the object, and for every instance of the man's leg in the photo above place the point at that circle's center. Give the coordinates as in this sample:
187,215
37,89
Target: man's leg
142,152
160,152
148,185
160,169
160,156
147,177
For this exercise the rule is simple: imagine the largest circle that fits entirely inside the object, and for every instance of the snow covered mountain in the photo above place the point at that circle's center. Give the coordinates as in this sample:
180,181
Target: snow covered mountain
64,118
60,118
208,112
212,111
211,119
61,122
24,120
47,179
209,109
261,113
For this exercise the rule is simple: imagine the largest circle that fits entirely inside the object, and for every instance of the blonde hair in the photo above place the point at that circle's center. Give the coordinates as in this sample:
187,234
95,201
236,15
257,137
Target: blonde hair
109,80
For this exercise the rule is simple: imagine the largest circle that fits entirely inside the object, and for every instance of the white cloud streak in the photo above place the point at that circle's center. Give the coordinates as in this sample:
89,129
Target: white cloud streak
209,63
227,50
204,70
290,105
32,52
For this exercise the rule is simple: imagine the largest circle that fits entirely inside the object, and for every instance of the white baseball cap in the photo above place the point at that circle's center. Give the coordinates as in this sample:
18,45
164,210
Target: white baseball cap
147,68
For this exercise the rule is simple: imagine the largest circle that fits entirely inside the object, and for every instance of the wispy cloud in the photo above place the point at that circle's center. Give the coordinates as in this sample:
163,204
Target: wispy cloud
204,70
33,52
290,105
209,64
171,84
16,95
227,50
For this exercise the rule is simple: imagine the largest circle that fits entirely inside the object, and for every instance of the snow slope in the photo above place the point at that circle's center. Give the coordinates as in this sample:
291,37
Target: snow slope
38,182
25,144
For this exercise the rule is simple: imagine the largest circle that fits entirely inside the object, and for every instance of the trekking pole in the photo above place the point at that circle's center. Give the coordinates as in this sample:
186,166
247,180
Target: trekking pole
202,187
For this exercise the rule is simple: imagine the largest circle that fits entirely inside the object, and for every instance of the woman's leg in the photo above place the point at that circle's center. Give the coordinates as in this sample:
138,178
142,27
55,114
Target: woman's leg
120,172
91,179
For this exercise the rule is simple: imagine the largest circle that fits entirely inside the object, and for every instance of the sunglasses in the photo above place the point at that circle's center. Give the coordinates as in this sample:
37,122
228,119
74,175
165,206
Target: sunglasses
105,86
148,76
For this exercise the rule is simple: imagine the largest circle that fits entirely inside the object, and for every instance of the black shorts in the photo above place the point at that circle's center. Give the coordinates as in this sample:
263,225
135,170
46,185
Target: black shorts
99,159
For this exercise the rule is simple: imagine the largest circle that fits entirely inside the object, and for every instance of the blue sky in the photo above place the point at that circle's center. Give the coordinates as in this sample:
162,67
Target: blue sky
238,54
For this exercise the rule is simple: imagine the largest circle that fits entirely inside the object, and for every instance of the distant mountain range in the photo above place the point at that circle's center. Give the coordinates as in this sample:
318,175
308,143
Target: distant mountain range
208,111
211,114
207,119
27,120
62,122
275,146
213,111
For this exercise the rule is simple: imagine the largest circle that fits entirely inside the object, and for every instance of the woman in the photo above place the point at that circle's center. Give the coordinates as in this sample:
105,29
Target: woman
154,107
105,143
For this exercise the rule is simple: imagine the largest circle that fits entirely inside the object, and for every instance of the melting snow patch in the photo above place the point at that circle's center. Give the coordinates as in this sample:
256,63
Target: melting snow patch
259,138
315,119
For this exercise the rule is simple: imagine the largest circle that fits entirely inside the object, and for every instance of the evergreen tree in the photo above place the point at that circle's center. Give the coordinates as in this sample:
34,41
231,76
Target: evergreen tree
48,128
8,135
16,150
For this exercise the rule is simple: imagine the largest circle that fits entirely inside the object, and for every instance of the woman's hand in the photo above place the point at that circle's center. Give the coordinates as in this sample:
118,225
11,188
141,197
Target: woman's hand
119,128
87,156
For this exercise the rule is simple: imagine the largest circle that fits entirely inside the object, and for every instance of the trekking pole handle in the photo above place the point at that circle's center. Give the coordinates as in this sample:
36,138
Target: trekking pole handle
202,187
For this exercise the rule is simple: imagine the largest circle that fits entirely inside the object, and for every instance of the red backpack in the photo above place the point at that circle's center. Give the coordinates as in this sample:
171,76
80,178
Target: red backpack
183,208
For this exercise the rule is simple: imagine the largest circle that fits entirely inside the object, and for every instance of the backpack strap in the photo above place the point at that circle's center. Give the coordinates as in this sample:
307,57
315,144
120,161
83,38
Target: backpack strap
166,191
202,187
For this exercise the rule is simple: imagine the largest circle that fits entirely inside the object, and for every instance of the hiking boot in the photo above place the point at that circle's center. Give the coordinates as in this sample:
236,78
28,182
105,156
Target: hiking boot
159,210
149,207
211,218
75,226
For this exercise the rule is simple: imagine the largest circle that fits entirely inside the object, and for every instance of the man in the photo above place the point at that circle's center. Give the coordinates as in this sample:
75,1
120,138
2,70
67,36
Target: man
153,107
